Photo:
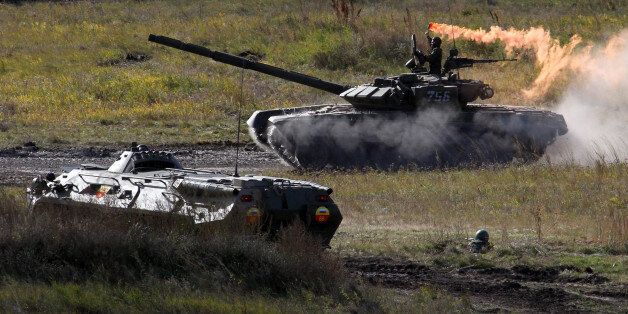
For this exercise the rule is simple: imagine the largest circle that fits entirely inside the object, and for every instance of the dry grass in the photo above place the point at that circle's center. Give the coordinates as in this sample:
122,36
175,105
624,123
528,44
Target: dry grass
538,214
90,265
571,203
64,77
44,248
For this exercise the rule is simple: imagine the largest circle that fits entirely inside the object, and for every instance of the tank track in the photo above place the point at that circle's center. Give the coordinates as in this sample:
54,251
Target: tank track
454,155
282,147
472,144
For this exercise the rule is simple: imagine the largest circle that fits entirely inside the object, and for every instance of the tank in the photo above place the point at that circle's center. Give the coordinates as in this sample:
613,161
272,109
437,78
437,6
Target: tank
152,186
411,119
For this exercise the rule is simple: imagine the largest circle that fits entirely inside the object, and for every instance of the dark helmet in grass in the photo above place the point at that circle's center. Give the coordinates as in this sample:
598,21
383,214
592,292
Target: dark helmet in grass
481,236
479,243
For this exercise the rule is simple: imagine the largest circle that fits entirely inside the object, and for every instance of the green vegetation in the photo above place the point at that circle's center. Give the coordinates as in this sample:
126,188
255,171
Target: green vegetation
539,216
173,296
69,71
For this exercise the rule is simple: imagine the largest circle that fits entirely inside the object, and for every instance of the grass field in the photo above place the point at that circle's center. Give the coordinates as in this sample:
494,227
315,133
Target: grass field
83,73
65,77
76,264
540,216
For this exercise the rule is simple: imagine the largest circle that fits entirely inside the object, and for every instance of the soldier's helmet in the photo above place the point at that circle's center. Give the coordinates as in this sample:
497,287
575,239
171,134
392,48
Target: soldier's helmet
436,41
481,236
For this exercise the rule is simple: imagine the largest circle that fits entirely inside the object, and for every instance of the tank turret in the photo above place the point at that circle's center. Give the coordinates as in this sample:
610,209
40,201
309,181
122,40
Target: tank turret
407,91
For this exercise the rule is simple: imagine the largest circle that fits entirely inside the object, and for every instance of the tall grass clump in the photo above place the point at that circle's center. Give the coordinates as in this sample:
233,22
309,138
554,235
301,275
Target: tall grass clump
50,249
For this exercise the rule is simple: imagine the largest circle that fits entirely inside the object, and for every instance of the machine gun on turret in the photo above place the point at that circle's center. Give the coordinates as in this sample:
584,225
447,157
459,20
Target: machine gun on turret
453,62
418,58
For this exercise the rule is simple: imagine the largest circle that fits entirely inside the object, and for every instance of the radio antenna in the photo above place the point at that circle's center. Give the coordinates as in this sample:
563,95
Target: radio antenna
453,34
495,19
240,101
451,23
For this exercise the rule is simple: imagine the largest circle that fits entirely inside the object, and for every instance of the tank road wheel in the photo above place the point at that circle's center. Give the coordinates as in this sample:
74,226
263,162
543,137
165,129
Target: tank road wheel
493,148
455,149
378,156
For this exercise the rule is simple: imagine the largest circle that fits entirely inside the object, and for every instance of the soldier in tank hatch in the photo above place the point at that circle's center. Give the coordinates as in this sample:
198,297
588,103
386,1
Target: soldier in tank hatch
436,55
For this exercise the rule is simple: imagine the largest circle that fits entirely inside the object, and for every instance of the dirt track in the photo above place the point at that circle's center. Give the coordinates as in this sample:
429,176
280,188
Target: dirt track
492,289
19,166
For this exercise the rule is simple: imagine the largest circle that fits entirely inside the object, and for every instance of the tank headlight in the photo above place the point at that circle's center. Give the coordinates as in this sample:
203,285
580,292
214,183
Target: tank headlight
253,216
321,215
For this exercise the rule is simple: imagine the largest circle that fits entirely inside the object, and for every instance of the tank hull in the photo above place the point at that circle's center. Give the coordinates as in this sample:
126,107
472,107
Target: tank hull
341,136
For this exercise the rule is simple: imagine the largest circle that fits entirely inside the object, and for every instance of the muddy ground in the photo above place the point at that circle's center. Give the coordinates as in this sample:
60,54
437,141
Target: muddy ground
520,288
493,289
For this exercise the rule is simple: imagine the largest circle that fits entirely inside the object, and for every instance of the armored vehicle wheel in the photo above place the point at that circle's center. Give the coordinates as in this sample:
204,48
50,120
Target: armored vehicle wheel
529,149
299,155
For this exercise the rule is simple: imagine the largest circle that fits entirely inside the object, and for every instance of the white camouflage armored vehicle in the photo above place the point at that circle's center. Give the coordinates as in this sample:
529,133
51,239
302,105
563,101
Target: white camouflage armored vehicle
154,184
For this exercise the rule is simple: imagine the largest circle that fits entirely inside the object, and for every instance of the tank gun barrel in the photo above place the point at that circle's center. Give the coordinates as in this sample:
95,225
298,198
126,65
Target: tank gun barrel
251,65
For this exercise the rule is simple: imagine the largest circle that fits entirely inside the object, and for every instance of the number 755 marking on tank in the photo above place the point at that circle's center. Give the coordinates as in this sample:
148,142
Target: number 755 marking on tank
438,96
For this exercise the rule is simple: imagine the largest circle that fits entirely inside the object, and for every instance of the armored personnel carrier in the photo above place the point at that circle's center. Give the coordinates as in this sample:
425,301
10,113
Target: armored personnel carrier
153,184
417,118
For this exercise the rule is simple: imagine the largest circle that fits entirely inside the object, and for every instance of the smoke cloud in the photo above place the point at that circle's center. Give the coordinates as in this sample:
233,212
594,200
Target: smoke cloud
550,55
595,107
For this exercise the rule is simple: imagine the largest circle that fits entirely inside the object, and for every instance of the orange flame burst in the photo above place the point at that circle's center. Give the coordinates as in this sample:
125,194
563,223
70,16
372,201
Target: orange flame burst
552,57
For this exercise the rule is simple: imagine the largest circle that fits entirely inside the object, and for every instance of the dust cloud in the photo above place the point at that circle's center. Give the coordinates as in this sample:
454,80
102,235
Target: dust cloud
595,107
426,138
409,135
